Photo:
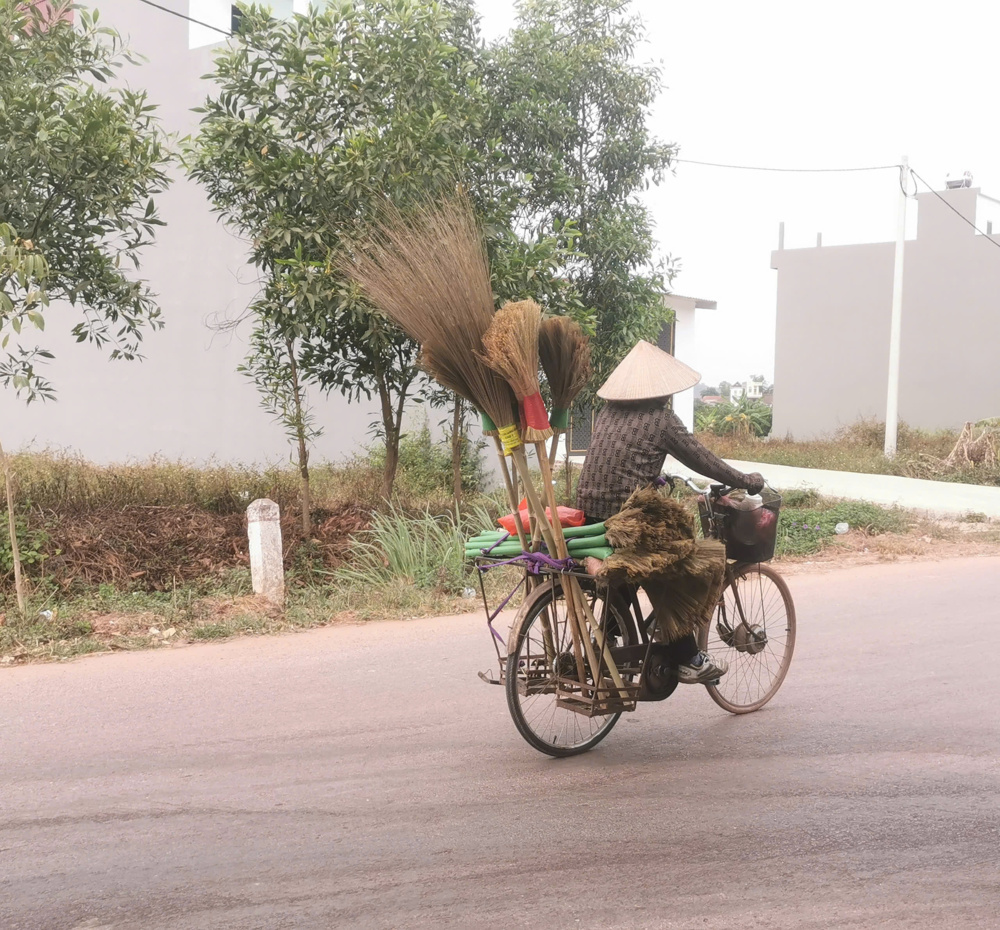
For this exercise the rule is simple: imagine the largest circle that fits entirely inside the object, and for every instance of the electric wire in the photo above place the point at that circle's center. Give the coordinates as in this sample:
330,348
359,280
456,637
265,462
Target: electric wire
692,161
713,164
190,19
556,38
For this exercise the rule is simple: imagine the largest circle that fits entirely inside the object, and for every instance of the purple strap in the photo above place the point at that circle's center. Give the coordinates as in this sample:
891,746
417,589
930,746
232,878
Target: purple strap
534,562
502,539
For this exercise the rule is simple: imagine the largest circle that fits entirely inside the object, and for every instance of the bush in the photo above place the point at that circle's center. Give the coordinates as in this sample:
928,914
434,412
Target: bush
747,418
427,552
803,529
425,466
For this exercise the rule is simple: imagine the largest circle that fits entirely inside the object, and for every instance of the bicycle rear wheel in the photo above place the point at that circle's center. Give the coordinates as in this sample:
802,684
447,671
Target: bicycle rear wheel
543,650
753,630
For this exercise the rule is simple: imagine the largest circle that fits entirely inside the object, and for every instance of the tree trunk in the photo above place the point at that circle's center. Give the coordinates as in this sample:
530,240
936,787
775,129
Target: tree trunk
457,444
305,498
304,493
15,550
392,429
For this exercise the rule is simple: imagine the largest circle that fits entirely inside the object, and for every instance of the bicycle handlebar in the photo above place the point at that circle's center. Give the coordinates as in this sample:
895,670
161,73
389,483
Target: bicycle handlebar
714,489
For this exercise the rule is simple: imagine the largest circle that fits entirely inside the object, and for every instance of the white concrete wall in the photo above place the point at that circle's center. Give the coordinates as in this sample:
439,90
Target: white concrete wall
185,400
684,350
832,341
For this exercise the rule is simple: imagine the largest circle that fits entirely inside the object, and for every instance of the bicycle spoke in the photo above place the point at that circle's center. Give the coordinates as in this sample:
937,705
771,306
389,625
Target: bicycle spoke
533,691
755,616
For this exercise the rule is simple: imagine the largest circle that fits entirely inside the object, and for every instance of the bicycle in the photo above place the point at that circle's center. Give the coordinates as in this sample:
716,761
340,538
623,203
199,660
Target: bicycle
561,708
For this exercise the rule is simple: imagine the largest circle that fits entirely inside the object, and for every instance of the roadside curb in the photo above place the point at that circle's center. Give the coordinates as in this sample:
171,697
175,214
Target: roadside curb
937,498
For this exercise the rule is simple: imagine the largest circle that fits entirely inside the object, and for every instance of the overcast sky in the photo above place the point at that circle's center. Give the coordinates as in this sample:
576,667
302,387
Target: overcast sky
802,85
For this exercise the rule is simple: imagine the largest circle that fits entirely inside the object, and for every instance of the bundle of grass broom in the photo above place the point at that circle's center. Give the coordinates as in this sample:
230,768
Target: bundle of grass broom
428,272
564,351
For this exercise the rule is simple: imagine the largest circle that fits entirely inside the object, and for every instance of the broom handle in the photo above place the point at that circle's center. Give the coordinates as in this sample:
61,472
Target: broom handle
582,648
535,504
511,496
555,447
574,593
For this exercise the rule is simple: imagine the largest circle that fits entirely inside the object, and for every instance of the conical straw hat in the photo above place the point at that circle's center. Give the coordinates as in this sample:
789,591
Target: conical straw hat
647,372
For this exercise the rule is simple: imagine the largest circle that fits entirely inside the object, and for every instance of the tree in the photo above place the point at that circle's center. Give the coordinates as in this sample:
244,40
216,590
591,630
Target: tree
312,123
568,110
274,369
80,164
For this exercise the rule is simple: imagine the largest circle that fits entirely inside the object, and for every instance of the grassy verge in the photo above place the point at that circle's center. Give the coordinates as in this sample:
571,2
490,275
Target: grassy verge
859,448
403,567
152,555
807,522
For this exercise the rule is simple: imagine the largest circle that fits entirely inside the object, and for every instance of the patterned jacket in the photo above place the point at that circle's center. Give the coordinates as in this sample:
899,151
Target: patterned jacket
627,449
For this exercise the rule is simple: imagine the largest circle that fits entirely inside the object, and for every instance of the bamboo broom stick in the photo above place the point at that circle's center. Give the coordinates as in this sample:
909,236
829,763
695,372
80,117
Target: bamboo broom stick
573,590
582,651
512,497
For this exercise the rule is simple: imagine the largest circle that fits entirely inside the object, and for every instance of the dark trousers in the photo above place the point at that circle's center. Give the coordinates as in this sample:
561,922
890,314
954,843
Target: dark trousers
681,651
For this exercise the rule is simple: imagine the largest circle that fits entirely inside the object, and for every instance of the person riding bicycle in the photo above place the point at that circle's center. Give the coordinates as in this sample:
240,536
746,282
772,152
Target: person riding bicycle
634,433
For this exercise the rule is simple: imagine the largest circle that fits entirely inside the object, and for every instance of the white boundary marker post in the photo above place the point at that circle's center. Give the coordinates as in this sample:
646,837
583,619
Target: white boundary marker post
267,570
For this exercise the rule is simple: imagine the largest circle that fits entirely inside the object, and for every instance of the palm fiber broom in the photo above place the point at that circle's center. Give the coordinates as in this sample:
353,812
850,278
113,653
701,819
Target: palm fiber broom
564,351
428,272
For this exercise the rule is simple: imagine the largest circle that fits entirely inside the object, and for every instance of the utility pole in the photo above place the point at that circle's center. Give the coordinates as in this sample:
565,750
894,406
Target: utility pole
896,320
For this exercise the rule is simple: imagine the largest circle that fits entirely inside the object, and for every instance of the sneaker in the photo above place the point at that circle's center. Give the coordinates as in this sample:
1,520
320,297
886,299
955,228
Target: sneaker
701,670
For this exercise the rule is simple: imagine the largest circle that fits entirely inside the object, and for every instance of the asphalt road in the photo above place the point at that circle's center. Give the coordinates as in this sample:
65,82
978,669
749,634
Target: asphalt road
365,777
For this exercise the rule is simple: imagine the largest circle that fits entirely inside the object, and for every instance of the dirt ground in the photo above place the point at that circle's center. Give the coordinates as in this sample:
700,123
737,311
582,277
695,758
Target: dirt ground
927,541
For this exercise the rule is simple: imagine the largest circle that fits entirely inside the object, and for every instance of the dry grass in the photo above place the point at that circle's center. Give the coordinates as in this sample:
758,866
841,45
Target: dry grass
859,448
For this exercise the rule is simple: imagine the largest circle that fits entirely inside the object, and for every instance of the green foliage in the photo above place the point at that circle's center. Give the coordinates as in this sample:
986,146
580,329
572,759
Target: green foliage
568,110
33,545
315,120
425,466
801,498
746,418
427,552
312,122
803,530
80,164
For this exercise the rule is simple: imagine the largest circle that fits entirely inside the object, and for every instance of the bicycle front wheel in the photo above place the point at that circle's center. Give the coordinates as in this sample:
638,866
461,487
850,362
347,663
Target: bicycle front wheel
753,630
542,652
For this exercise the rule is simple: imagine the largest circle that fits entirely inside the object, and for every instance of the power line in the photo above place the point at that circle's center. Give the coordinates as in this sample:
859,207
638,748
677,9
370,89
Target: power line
957,213
713,164
190,19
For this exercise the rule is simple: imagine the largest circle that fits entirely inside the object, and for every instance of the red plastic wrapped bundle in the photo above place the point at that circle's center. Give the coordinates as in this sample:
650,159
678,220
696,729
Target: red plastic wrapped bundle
568,516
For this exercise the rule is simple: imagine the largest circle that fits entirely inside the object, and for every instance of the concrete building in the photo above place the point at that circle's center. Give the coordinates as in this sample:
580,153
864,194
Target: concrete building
832,331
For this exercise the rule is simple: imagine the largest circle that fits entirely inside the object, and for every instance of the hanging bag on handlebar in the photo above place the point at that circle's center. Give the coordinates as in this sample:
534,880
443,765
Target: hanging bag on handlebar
750,533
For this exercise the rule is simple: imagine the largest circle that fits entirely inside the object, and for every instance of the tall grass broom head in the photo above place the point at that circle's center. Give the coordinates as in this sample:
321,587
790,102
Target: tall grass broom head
448,377
564,351
428,272
510,347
